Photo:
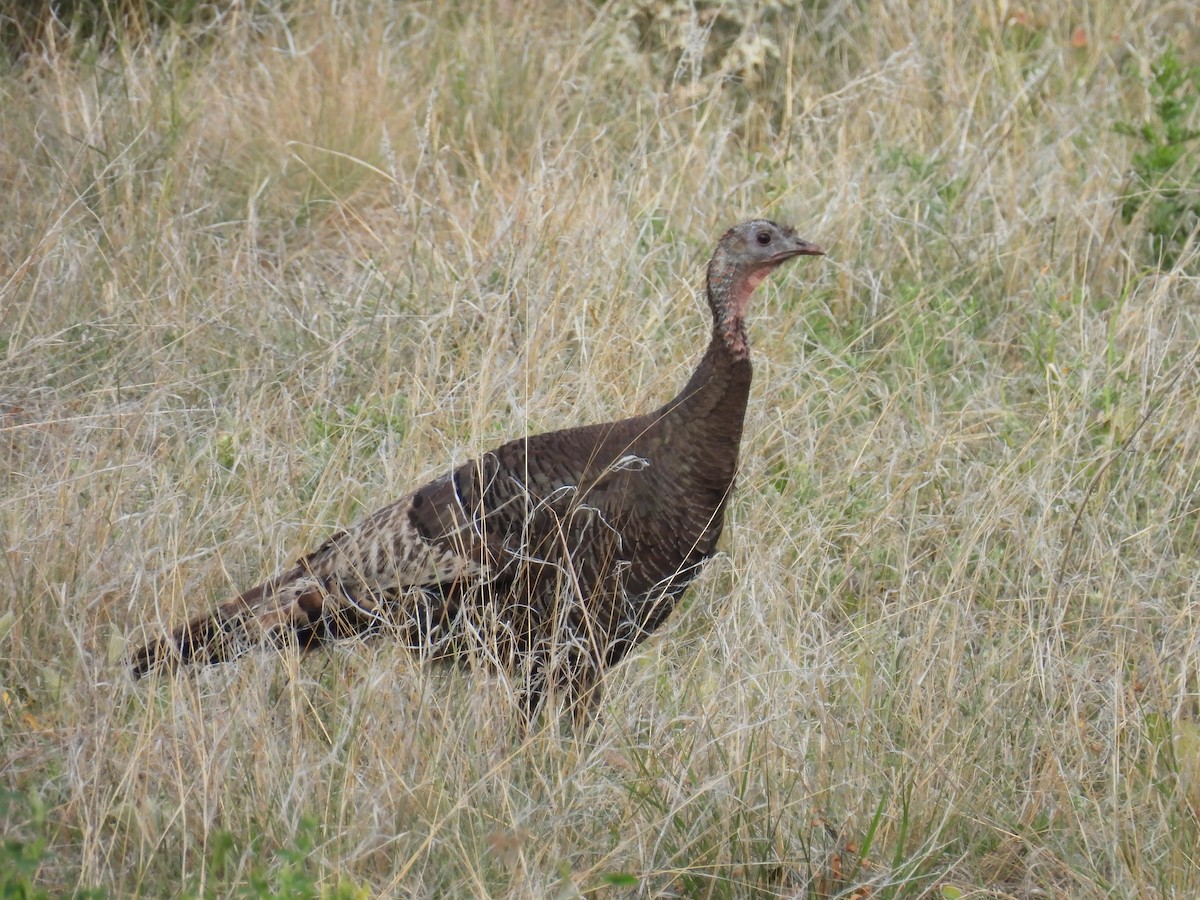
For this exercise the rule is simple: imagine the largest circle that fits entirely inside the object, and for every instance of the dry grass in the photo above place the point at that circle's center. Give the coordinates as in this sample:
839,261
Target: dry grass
260,275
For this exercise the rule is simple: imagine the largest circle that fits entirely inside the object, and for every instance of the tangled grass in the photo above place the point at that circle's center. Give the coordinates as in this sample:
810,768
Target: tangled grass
264,268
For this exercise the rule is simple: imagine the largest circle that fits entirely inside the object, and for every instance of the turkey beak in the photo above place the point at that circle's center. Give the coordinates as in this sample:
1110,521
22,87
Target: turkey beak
807,248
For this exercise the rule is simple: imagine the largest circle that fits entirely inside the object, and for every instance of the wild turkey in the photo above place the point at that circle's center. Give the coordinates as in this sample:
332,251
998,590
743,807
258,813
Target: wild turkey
549,557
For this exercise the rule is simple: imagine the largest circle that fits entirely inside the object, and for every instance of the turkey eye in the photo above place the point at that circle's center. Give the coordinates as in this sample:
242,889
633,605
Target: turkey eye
764,238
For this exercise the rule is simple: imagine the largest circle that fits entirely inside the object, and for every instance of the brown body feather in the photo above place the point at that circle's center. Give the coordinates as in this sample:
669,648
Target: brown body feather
549,557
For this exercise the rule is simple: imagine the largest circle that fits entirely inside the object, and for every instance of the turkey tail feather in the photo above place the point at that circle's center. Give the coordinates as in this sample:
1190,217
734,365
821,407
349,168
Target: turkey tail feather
288,608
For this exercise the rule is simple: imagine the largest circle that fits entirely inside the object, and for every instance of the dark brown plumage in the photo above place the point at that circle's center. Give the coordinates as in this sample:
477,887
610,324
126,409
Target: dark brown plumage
549,557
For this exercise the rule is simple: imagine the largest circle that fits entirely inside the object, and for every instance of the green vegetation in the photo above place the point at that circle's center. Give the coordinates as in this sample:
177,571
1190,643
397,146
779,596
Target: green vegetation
22,852
266,265
1166,173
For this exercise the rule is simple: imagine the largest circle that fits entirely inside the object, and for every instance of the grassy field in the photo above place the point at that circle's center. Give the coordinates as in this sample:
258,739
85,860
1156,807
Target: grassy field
265,269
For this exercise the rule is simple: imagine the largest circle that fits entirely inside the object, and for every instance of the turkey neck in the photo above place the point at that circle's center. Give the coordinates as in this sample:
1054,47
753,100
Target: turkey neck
713,402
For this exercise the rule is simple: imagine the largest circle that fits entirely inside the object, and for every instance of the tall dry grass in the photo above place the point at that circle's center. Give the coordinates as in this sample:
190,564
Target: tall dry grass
263,272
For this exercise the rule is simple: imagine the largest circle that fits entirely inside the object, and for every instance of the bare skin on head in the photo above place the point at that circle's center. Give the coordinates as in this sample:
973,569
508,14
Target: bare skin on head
549,557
